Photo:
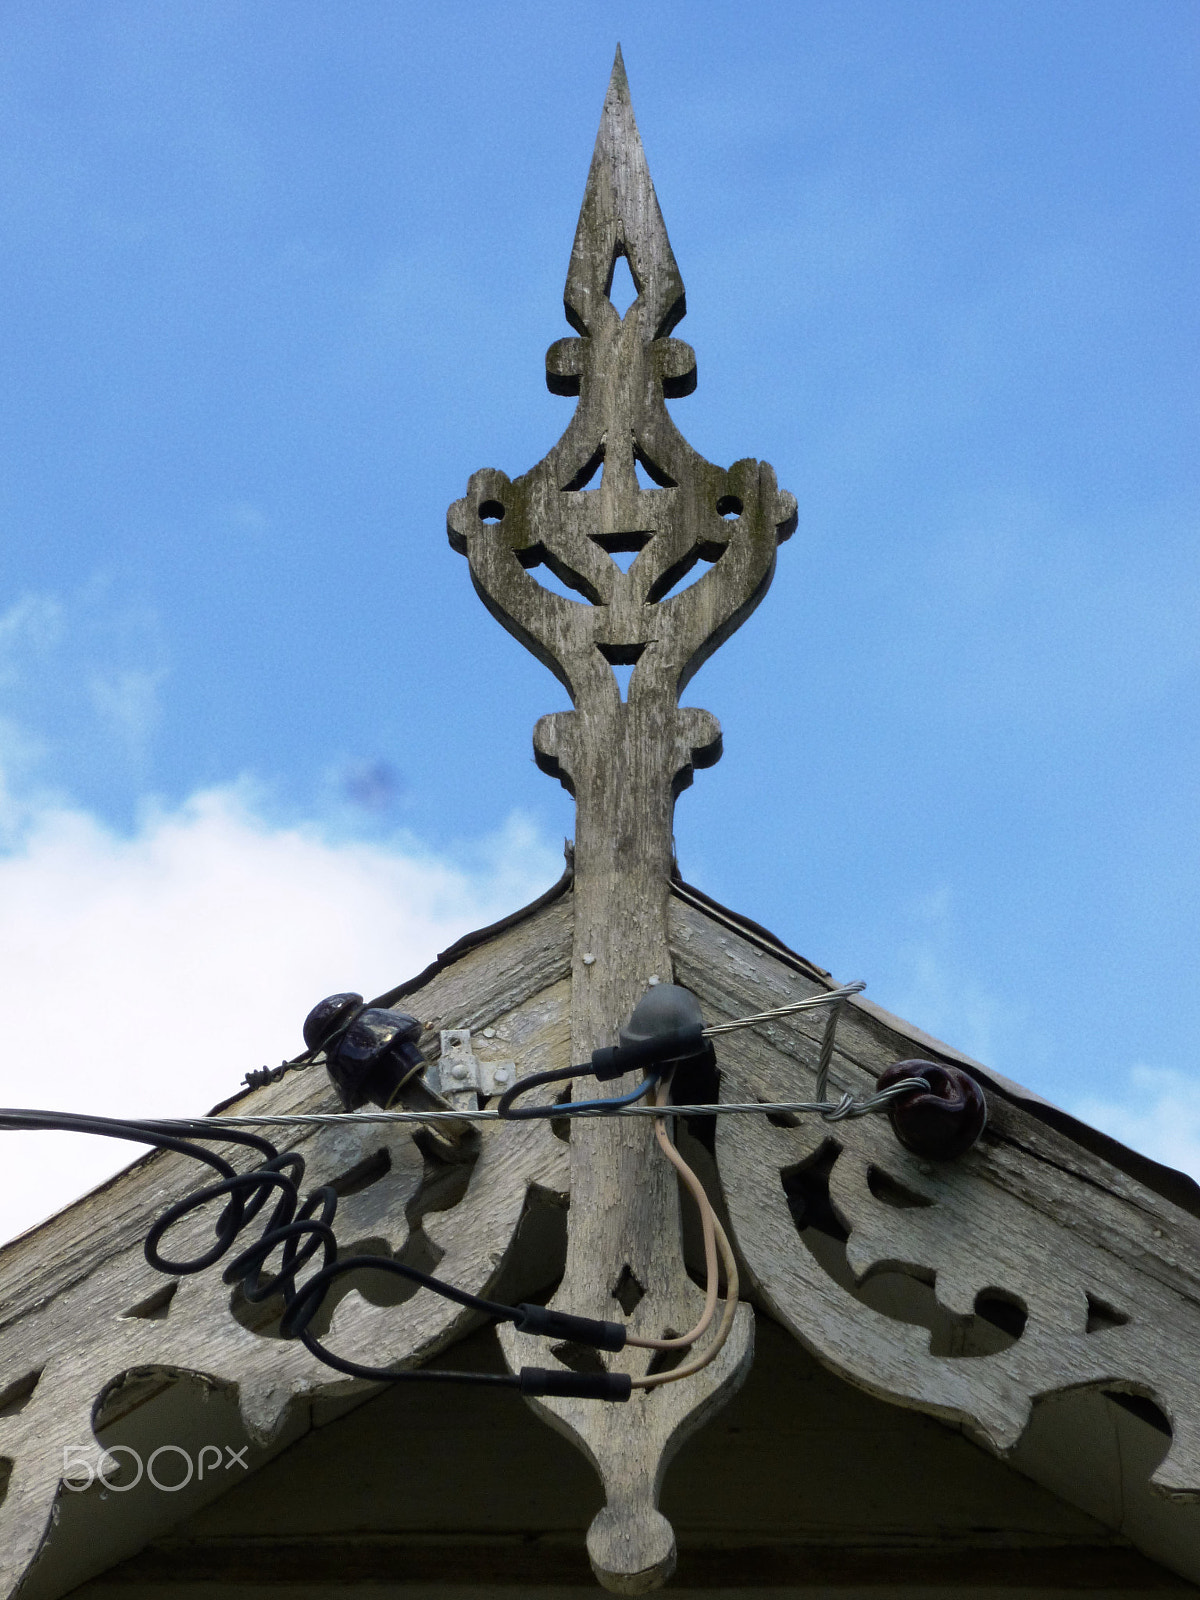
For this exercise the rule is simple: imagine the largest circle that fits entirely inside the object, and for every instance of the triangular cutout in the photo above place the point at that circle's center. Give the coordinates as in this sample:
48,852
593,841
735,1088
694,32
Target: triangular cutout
622,658
154,1307
665,1360
673,577
624,548
628,1292
16,1396
620,215
623,673
622,290
648,472
892,1192
579,1357
1100,1315
587,471
556,576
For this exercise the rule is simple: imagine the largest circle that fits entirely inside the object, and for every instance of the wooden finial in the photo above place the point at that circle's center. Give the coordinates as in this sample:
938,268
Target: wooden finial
624,761
620,216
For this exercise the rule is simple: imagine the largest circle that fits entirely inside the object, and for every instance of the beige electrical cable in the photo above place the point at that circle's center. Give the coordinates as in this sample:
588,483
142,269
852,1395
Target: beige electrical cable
708,1223
653,1380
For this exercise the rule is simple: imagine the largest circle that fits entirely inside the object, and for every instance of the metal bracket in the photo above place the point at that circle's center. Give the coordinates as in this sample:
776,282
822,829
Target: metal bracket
459,1076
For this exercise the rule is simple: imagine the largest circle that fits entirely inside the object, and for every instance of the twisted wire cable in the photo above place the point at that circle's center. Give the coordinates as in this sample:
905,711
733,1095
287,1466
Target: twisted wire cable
302,1229
831,1110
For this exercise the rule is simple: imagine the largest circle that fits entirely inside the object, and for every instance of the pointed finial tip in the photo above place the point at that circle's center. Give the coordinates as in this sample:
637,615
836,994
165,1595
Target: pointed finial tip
618,78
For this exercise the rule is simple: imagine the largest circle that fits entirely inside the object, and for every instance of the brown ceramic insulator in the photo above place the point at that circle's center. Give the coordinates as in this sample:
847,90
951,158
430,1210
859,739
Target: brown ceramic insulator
943,1122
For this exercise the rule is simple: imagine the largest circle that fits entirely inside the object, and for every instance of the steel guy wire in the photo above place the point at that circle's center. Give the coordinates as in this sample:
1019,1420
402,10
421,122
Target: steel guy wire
831,1111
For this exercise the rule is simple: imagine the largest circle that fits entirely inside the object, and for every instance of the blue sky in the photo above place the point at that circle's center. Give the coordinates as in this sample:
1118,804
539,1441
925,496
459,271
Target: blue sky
276,278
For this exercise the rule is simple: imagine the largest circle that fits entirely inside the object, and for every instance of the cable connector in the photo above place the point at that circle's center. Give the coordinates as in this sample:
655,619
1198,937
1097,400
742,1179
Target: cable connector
666,1025
613,1060
561,1325
577,1385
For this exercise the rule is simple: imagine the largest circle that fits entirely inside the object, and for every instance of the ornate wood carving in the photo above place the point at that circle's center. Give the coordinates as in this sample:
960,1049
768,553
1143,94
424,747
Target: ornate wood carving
624,761
967,1289
82,1311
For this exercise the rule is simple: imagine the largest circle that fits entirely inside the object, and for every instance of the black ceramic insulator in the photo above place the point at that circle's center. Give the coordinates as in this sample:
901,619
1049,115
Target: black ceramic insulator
577,1385
332,1012
580,1330
939,1123
375,1057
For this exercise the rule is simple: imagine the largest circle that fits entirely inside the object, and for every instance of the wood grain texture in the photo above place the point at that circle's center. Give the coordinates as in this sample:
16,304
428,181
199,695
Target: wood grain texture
484,984
77,1287
1029,1271
802,1481
1103,1269
624,761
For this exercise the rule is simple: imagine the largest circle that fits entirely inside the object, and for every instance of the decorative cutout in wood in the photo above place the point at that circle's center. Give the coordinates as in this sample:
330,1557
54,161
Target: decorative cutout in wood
970,1303
110,1316
624,758
968,1289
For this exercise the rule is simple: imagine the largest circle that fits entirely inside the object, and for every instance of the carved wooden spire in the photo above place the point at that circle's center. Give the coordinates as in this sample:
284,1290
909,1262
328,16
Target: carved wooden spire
1048,1268
625,761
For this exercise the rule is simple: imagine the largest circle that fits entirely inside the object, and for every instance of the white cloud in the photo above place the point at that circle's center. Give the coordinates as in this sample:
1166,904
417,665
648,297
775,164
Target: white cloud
247,517
929,990
1160,1116
144,975
930,984
81,677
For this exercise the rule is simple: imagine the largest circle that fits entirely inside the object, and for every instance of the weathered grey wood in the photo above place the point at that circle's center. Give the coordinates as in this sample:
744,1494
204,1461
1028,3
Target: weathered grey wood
1027,1214
77,1281
484,984
1104,1206
801,1482
624,761
1107,1270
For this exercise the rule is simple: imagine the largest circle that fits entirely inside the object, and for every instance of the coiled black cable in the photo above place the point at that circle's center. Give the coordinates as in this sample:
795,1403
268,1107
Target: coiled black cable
300,1229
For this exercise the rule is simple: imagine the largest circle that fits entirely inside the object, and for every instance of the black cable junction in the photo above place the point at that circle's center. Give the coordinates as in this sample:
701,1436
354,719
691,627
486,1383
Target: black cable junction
302,1229
371,1055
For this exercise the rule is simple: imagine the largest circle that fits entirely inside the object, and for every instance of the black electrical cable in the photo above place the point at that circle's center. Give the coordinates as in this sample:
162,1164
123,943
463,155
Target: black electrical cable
509,1113
674,1035
299,1233
535,1080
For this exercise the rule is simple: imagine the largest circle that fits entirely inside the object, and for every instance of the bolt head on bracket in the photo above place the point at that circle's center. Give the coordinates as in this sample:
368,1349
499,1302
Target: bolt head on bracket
458,1075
